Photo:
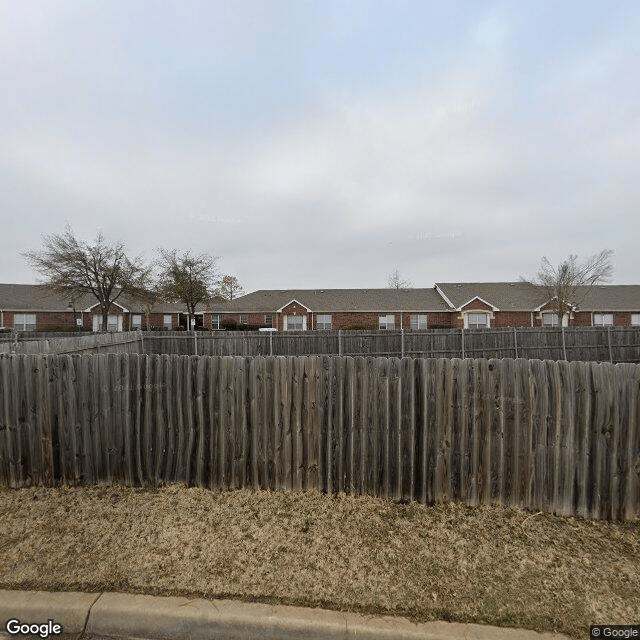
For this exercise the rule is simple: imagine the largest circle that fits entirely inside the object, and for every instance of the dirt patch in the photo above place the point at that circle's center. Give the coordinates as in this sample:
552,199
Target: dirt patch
488,565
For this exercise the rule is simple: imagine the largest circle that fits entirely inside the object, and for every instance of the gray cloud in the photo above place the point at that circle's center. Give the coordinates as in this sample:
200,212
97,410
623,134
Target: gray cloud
307,148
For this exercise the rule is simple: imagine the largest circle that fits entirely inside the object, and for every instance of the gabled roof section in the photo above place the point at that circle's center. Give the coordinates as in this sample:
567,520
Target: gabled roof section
35,297
462,306
92,307
501,296
284,306
523,296
335,300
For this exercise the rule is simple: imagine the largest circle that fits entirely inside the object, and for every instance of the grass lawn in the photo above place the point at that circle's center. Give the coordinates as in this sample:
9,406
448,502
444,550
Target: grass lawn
488,565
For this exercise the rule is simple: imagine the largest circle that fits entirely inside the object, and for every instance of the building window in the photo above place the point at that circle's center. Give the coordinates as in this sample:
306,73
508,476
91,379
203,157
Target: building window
476,321
24,321
387,322
323,321
550,319
635,319
294,323
603,319
167,322
244,319
136,321
418,322
112,322
215,321
268,320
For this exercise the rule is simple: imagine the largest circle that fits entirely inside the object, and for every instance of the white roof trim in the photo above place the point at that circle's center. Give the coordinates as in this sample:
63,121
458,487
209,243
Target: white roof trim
288,303
97,304
441,292
572,306
493,308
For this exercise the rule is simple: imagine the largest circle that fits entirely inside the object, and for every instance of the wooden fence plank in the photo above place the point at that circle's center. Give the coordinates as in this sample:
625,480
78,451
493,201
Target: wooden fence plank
538,394
395,429
345,444
509,429
442,439
325,409
227,417
384,429
271,456
354,462
553,426
482,432
407,432
312,423
201,421
631,507
456,410
567,451
257,416
19,425
494,412
429,428
243,441
523,459
603,426
33,459
298,463
371,437
282,444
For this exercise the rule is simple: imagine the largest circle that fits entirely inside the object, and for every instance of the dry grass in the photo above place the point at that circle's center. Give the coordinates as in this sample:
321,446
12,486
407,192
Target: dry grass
487,565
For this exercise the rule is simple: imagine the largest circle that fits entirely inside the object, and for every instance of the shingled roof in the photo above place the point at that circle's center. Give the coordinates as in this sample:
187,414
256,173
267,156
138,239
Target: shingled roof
506,296
334,300
620,297
523,296
31,297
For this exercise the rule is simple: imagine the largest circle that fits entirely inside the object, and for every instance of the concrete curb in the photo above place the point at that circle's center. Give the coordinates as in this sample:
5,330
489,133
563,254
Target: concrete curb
120,615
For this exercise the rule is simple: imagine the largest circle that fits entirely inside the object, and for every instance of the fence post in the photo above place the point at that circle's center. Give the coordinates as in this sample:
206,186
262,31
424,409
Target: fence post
609,341
195,341
462,341
141,341
270,343
339,342
515,341
401,342
564,346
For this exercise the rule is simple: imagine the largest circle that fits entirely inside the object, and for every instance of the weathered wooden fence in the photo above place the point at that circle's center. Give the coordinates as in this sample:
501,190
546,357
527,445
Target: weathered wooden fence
596,344
553,436
87,343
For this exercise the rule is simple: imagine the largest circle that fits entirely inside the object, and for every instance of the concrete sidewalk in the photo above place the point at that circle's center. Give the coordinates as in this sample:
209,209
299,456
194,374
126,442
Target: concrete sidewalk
118,615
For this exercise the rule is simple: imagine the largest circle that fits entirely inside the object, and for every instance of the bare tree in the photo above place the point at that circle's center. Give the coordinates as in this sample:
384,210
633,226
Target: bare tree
76,268
190,279
568,284
395,281
229,288
148,297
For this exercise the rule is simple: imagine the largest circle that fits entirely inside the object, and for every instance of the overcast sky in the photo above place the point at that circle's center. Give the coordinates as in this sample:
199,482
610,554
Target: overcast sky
325,143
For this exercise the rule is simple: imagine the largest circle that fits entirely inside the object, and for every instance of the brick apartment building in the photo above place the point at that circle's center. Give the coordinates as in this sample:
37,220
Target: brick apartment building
446,305
25,307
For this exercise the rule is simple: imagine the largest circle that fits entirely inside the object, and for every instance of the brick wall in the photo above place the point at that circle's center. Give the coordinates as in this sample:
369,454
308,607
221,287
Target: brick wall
511,319
338,320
